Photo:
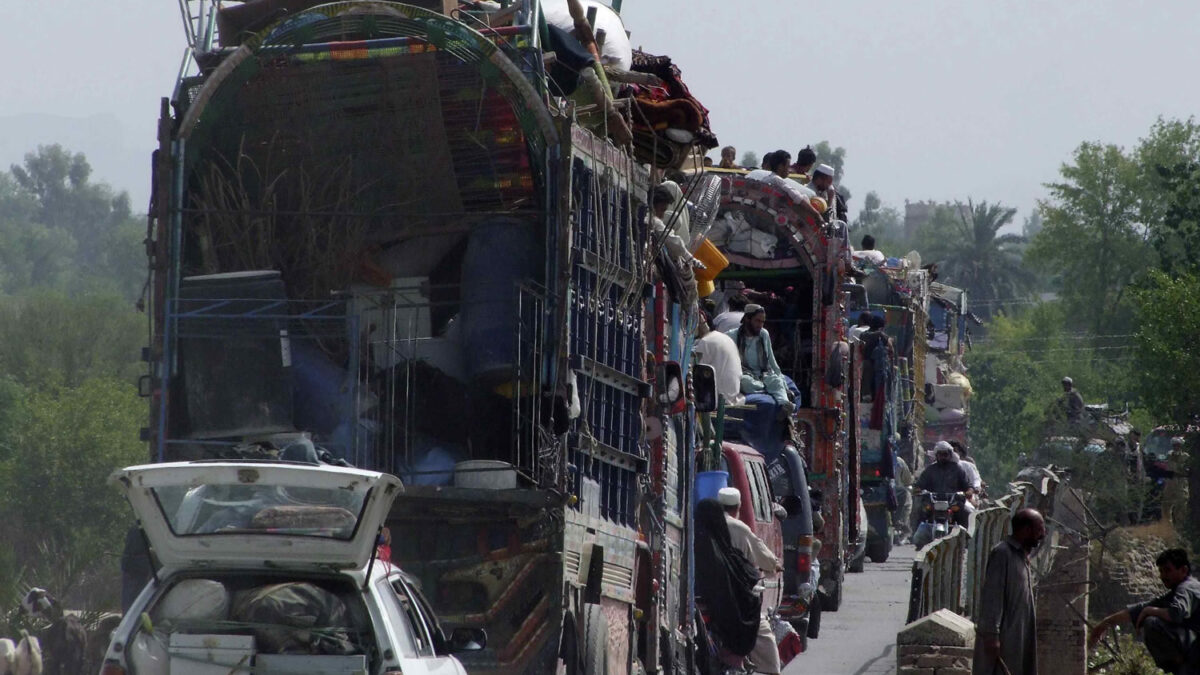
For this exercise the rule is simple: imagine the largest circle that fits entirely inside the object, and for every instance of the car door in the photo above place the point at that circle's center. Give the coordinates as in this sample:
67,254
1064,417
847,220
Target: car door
766,525
419,641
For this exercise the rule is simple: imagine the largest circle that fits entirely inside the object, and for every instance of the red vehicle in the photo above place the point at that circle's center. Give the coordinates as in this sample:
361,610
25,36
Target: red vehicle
748,473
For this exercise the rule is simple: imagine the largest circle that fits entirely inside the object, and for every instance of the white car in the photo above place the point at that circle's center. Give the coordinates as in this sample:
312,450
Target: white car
270,568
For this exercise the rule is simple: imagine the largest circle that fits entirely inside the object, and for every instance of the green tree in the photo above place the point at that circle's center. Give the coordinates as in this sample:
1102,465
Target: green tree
1169,158
882,222
1094,239
50,340
53,483
1168,362
750,159
972,254
60,229
1015,371
834,157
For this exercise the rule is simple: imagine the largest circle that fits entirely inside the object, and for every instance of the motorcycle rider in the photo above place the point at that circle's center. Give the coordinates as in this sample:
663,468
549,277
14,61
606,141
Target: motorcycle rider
946,476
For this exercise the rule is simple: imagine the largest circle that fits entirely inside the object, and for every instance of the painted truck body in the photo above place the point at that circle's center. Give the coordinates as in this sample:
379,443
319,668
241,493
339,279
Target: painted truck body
370,234
807,269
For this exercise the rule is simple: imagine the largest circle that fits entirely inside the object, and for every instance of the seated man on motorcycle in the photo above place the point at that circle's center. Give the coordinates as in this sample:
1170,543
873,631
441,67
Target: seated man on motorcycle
765,656
946,476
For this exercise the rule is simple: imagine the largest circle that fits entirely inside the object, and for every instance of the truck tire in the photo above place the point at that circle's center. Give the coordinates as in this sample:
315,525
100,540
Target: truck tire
830,602
568,650
877,550
801,628
879,536
595,641
856,564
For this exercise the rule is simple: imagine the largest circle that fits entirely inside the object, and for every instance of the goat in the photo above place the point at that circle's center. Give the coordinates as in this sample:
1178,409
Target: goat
28,659
8,656
65,639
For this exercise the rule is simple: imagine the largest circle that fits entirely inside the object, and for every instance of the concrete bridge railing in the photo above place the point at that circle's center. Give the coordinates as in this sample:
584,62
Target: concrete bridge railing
948,573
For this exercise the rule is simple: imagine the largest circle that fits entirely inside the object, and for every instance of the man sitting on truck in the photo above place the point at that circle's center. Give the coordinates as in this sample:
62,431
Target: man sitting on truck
765,656
805,159
945,476
718,350
822,184
760,371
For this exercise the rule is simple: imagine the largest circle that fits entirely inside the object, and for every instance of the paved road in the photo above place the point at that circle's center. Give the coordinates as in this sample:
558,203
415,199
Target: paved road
860,638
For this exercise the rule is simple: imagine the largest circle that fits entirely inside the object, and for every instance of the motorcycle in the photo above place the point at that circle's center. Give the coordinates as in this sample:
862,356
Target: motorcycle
939,515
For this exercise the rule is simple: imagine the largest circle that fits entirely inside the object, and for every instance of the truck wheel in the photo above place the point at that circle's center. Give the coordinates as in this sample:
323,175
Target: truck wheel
879,545
801,628
595,641
856,564
831,601
877,550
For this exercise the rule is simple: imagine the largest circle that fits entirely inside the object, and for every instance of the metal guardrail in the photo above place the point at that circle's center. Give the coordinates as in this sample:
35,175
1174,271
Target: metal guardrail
949,572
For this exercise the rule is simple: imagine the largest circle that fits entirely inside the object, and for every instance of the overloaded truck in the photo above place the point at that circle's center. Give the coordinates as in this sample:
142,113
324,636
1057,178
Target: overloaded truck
382,234
803,269
891,410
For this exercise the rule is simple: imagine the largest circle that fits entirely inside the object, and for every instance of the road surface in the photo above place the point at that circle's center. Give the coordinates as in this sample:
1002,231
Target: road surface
860,638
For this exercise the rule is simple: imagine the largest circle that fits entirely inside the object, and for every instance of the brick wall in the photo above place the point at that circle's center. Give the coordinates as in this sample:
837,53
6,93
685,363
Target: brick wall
1062,601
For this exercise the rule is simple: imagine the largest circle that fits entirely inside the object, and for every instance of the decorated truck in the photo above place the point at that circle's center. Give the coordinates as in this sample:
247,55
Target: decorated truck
799,270
388,235
890,338
947,390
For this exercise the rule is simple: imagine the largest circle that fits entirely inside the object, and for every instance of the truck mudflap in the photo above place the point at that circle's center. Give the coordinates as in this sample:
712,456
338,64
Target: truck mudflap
489,559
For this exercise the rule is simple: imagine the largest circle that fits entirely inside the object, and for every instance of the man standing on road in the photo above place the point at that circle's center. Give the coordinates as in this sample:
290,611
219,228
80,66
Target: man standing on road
901,525
1006,633
1170,624
765,656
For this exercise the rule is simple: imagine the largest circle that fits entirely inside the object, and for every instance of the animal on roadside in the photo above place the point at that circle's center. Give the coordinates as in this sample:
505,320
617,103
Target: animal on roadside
28,659
64,641
8,656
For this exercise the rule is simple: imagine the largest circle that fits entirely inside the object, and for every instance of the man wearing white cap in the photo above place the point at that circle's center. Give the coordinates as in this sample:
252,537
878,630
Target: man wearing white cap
765,656
822,184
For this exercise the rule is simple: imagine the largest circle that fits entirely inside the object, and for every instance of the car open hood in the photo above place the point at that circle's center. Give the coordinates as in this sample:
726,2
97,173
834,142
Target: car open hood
258,514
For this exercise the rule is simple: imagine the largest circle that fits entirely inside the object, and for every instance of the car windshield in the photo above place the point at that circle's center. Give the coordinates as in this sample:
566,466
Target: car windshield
239,508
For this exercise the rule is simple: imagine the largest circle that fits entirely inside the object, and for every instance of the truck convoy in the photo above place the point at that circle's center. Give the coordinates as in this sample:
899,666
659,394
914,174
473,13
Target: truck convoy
419,238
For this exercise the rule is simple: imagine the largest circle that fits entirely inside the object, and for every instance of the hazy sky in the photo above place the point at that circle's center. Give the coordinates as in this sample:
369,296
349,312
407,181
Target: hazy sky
932,100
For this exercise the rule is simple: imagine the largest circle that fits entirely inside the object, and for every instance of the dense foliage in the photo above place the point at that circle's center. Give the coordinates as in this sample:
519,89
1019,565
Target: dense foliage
71,268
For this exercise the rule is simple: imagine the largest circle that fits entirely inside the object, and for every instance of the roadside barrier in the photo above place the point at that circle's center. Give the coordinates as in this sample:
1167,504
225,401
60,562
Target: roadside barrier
948,573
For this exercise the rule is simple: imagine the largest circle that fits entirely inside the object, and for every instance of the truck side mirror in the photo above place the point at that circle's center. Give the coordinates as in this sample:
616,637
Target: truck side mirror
704,386
670,386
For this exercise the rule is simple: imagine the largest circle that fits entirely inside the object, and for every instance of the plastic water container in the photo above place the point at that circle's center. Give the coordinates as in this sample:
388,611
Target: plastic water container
709,483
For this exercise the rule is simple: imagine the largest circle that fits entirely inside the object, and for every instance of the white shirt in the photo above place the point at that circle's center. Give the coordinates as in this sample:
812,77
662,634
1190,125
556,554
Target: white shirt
727,321
720,351
872,256
744,540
